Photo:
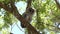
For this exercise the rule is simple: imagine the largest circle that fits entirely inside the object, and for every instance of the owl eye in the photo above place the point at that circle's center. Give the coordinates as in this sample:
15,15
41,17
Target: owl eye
31,10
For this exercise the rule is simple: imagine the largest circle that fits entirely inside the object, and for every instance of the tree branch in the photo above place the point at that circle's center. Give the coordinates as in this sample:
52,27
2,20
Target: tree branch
29,3
2,5
18,16
57,3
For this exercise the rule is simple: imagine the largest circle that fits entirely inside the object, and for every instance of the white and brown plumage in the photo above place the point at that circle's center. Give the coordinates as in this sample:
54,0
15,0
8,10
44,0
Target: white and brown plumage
28,15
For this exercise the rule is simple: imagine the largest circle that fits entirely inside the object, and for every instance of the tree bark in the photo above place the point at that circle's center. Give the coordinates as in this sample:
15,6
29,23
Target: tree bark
58,4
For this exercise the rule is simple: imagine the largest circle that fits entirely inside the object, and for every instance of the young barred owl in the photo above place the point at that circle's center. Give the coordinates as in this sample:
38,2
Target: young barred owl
28,15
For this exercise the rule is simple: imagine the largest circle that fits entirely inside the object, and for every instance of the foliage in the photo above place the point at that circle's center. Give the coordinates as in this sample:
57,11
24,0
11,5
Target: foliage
7,19
47,14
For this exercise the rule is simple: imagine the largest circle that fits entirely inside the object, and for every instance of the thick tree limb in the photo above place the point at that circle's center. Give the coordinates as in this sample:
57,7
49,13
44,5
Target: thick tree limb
18,16
2,5
29,3
58,5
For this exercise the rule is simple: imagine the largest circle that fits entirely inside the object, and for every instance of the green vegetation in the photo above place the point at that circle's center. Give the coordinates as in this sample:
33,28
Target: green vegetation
47,15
